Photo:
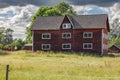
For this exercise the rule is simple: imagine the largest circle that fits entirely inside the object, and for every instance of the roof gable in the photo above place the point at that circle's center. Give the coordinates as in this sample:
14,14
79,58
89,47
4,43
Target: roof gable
66,20
115,46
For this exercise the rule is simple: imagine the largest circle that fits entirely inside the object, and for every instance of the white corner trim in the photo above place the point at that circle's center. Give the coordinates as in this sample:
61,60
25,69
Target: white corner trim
102,41
70,21
32,41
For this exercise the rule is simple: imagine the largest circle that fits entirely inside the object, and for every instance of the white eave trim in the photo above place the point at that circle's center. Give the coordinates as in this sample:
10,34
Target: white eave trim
70,21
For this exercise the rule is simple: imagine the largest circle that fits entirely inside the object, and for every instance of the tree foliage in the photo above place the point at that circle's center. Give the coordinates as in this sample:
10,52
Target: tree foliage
18,44
7,41
115,32
29,35
58,10
115,28
1,33
6,37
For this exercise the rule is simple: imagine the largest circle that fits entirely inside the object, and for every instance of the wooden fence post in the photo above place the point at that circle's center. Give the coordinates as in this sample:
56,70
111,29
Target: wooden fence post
7,71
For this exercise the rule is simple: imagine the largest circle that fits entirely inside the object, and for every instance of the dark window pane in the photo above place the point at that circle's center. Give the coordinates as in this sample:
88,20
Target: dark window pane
64,25
68,35
89,35
89,46
43,36
47,36
64,35
43,46
85,46
68,46
85,35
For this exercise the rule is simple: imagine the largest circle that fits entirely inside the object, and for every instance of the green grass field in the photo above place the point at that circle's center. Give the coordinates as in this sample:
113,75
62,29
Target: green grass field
25,65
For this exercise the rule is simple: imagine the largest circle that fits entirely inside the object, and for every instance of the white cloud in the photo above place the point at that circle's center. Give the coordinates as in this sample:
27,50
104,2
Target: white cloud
18,20
87,9
82,9
115,11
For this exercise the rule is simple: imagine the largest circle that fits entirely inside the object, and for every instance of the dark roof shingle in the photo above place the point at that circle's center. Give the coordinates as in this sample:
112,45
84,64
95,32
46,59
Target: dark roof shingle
118,46
46,23
79,21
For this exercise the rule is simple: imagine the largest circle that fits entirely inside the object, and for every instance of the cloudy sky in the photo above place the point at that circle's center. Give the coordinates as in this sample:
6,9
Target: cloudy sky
16,14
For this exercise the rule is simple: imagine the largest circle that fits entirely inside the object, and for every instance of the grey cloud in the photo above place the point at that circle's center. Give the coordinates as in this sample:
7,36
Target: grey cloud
5,3
103,3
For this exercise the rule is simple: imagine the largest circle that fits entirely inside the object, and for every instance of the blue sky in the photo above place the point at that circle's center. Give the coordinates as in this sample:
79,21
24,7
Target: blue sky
16,14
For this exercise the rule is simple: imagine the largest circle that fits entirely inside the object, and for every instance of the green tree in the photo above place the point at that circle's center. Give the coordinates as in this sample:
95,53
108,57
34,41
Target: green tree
58,10
18,44
2,29
29,35
115,28
115,32
7,37
65,9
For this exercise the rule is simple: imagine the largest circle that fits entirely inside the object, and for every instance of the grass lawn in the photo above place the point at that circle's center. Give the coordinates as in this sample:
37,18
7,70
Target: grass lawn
25,65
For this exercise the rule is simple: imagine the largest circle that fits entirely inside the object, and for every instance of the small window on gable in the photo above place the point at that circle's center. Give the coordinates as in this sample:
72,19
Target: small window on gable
87,46
46,46
66,26
46,36
66,35
66,46
87,35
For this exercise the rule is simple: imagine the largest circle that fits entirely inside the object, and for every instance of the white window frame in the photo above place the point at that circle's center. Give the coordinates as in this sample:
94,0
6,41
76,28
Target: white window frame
66,44
88,34
66,26
46,34
46,45
87,45
66,34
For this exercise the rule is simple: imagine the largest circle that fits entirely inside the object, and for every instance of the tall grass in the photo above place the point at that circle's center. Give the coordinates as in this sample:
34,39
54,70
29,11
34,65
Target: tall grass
3,52
25,65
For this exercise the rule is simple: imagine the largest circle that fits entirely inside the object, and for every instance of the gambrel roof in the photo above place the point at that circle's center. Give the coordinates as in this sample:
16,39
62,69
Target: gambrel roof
78,22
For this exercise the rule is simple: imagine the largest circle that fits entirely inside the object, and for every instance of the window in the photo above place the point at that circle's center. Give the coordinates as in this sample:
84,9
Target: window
87,46
87,35
66,35
46,46
66,46
46,36
66,26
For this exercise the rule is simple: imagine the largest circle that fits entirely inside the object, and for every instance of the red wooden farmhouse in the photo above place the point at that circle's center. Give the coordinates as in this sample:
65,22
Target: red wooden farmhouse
81,33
